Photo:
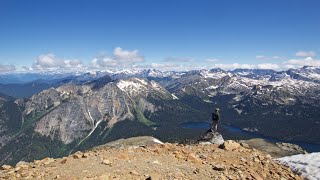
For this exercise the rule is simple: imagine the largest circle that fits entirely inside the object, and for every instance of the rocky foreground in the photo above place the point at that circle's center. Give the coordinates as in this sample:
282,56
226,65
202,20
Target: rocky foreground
158,161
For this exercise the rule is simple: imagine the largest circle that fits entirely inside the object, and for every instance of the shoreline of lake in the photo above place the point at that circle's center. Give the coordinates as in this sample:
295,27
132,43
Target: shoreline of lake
229,130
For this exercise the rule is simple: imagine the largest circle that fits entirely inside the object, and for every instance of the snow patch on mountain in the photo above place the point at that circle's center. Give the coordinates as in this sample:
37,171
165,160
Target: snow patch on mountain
142,81
212,87
157,141
156,86
125,85
305,164
213,75
174,96
239,111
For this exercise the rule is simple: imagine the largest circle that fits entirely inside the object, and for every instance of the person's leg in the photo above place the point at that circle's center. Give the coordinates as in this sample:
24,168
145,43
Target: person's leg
214,126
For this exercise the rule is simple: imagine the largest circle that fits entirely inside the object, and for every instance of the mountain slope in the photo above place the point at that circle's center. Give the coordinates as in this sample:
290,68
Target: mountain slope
10,118
61,120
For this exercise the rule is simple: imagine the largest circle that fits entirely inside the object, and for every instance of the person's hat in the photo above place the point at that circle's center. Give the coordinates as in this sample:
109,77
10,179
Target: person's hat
217,109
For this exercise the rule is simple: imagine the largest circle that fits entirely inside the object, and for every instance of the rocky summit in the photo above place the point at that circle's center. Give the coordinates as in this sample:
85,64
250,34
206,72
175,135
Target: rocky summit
134,159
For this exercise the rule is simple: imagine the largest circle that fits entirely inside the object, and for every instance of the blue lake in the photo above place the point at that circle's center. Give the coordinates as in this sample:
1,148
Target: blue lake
234,131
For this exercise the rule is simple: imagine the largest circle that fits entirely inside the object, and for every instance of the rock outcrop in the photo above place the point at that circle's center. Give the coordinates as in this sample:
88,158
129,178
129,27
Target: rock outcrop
212,137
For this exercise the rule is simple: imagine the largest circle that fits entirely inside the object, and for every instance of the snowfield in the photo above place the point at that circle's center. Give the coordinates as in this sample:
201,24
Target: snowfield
308,165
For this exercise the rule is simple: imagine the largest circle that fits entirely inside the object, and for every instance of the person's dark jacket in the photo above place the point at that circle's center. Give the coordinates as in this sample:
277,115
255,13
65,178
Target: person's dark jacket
216,116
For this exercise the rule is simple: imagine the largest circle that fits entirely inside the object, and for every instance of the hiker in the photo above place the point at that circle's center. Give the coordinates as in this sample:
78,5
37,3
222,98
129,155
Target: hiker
215,119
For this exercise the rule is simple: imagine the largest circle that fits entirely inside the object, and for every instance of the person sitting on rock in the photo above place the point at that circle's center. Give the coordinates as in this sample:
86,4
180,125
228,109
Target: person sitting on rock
215,120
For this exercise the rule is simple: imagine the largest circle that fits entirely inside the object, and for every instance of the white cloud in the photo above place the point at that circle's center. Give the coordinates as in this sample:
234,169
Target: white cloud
211,60
262,57
72,63
121,58
288,66
50,61
103,61
25,68
233,66
7,68
268,66
246,66
179,59
306,53
127,56
173,66
309,61
47,61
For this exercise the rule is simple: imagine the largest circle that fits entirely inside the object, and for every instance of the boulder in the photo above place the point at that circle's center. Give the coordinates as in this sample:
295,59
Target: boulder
212,137
6,167
230,145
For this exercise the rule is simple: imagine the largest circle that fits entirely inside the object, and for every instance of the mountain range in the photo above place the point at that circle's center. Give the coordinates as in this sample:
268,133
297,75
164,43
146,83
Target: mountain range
77,111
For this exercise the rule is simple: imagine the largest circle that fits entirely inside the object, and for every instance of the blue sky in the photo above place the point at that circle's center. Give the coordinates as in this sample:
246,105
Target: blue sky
166,34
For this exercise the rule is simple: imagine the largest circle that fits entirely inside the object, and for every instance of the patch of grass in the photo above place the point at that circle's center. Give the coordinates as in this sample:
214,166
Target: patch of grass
143,119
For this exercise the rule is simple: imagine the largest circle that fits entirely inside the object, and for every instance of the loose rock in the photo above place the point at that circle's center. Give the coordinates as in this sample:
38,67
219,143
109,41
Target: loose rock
230,145
133,172
106,162
218,167
6,167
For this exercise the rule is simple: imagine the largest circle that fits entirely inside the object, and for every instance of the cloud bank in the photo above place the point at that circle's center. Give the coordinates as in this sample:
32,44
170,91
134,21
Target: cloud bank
262,57
309,61
120,58
306,54
179,59
247,66
211,60
7,68
123,58
50,61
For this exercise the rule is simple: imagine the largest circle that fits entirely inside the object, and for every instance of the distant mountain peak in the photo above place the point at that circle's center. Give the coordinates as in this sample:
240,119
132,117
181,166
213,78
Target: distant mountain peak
100,82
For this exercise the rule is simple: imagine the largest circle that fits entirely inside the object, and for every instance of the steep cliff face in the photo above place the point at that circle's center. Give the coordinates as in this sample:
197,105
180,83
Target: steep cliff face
83,110
76,111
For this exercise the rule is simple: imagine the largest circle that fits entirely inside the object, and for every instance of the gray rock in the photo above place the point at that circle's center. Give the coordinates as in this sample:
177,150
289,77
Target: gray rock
212,137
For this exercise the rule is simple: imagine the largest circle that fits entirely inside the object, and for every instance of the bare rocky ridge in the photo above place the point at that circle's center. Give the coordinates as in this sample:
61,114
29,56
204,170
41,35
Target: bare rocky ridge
158,161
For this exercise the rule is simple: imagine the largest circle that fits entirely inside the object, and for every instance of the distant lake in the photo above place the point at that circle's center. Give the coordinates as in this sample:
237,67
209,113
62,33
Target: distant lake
239,133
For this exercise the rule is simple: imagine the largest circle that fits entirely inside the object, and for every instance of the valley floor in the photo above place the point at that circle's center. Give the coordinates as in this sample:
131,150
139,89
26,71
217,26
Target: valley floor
162,161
